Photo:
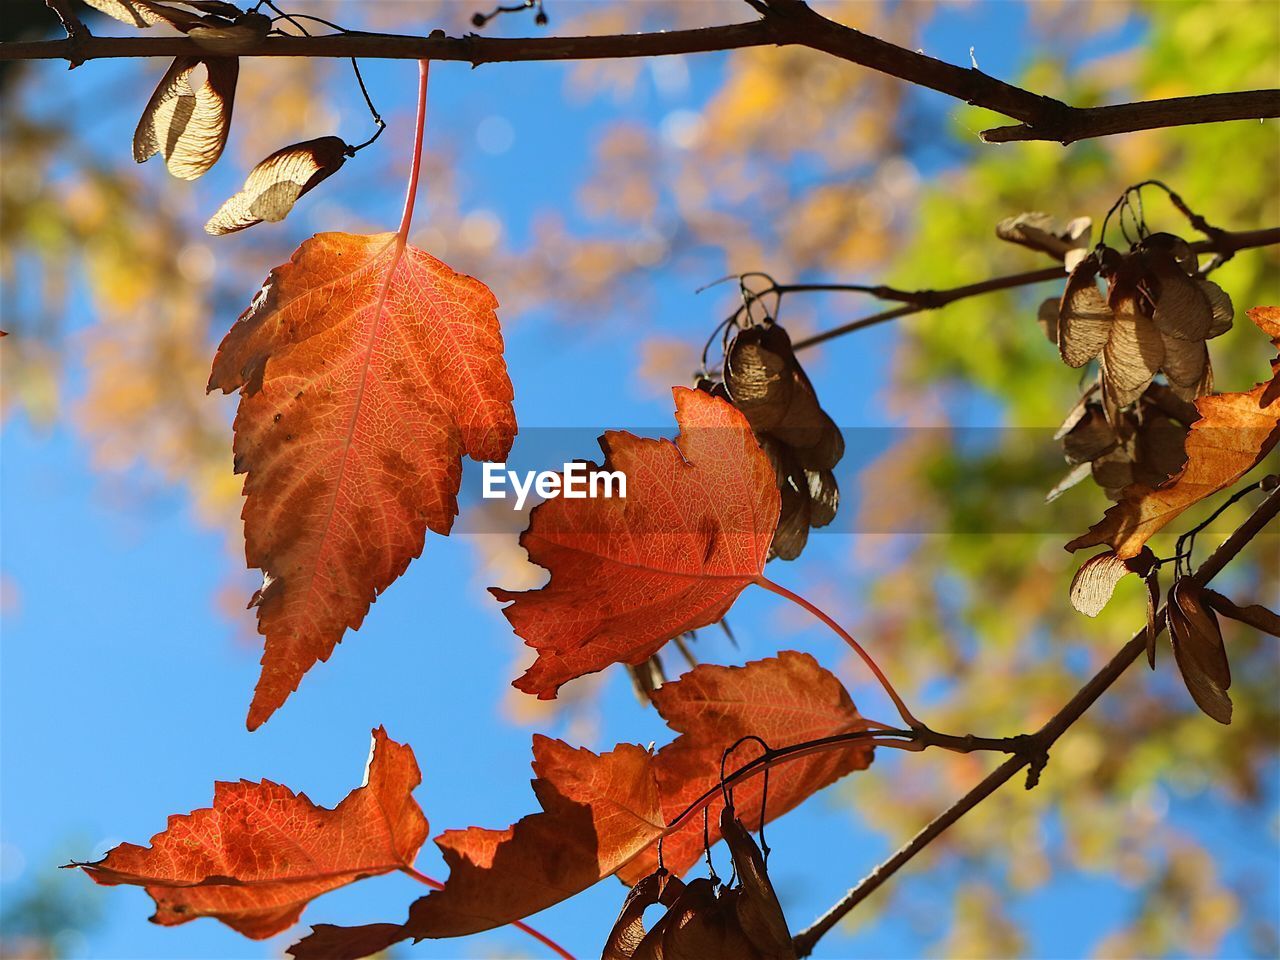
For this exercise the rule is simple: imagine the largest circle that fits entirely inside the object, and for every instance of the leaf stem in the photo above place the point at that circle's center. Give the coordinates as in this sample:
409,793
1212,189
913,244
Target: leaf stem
419,127
435,884
908,717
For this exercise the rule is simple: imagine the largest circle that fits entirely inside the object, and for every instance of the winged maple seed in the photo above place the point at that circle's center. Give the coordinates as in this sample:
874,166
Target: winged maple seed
261,853
186,120
627,575
187,125
1039,231
1146,443
604,813
1095,581
148,13
366,368
1155,317
276,183
763,379
706,920
1234,432
219,27
1198,649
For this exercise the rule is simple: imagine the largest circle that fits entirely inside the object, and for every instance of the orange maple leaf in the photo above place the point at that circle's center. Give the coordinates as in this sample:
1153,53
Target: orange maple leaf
261,853
604,813
784,700
1234,432
629,574
366,368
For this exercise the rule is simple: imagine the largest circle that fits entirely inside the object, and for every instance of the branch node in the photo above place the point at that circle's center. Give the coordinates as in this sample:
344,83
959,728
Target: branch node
1035,766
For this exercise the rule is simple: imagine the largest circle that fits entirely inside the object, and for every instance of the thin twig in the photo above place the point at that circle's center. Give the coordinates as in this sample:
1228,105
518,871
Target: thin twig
1044,738
70,22
787,22
918,301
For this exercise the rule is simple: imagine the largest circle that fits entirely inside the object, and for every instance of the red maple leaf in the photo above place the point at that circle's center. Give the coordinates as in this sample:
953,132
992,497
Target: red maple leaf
366,368
783,701
261,853
628,574
604,813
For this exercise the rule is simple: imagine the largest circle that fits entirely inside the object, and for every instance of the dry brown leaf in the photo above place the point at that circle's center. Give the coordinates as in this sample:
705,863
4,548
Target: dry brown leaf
276,183
188,127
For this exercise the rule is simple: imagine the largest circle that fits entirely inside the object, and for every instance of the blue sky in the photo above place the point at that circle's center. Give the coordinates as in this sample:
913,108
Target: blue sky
124,686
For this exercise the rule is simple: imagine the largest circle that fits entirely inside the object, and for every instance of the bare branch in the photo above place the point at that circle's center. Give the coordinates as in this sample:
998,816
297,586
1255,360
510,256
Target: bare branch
784,22
1082,123
918,301
1044,738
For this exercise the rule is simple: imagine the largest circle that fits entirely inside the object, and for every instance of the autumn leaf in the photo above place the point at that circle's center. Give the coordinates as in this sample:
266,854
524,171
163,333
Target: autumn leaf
327,941
276,183
366,368
188,127
603,813
598,812
261,853
1234,432
782,700
628,574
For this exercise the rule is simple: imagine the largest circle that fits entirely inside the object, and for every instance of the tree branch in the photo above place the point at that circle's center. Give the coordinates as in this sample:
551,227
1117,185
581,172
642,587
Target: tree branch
787,22
66,16
1081,123
918,301
1044,738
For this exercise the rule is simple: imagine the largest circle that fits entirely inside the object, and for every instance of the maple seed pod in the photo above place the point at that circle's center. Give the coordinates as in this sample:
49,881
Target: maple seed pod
1095,582
1039,231
758,911
1198,649
705,920
188,127
763,379
628,930
276,184
147,13
1084,316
